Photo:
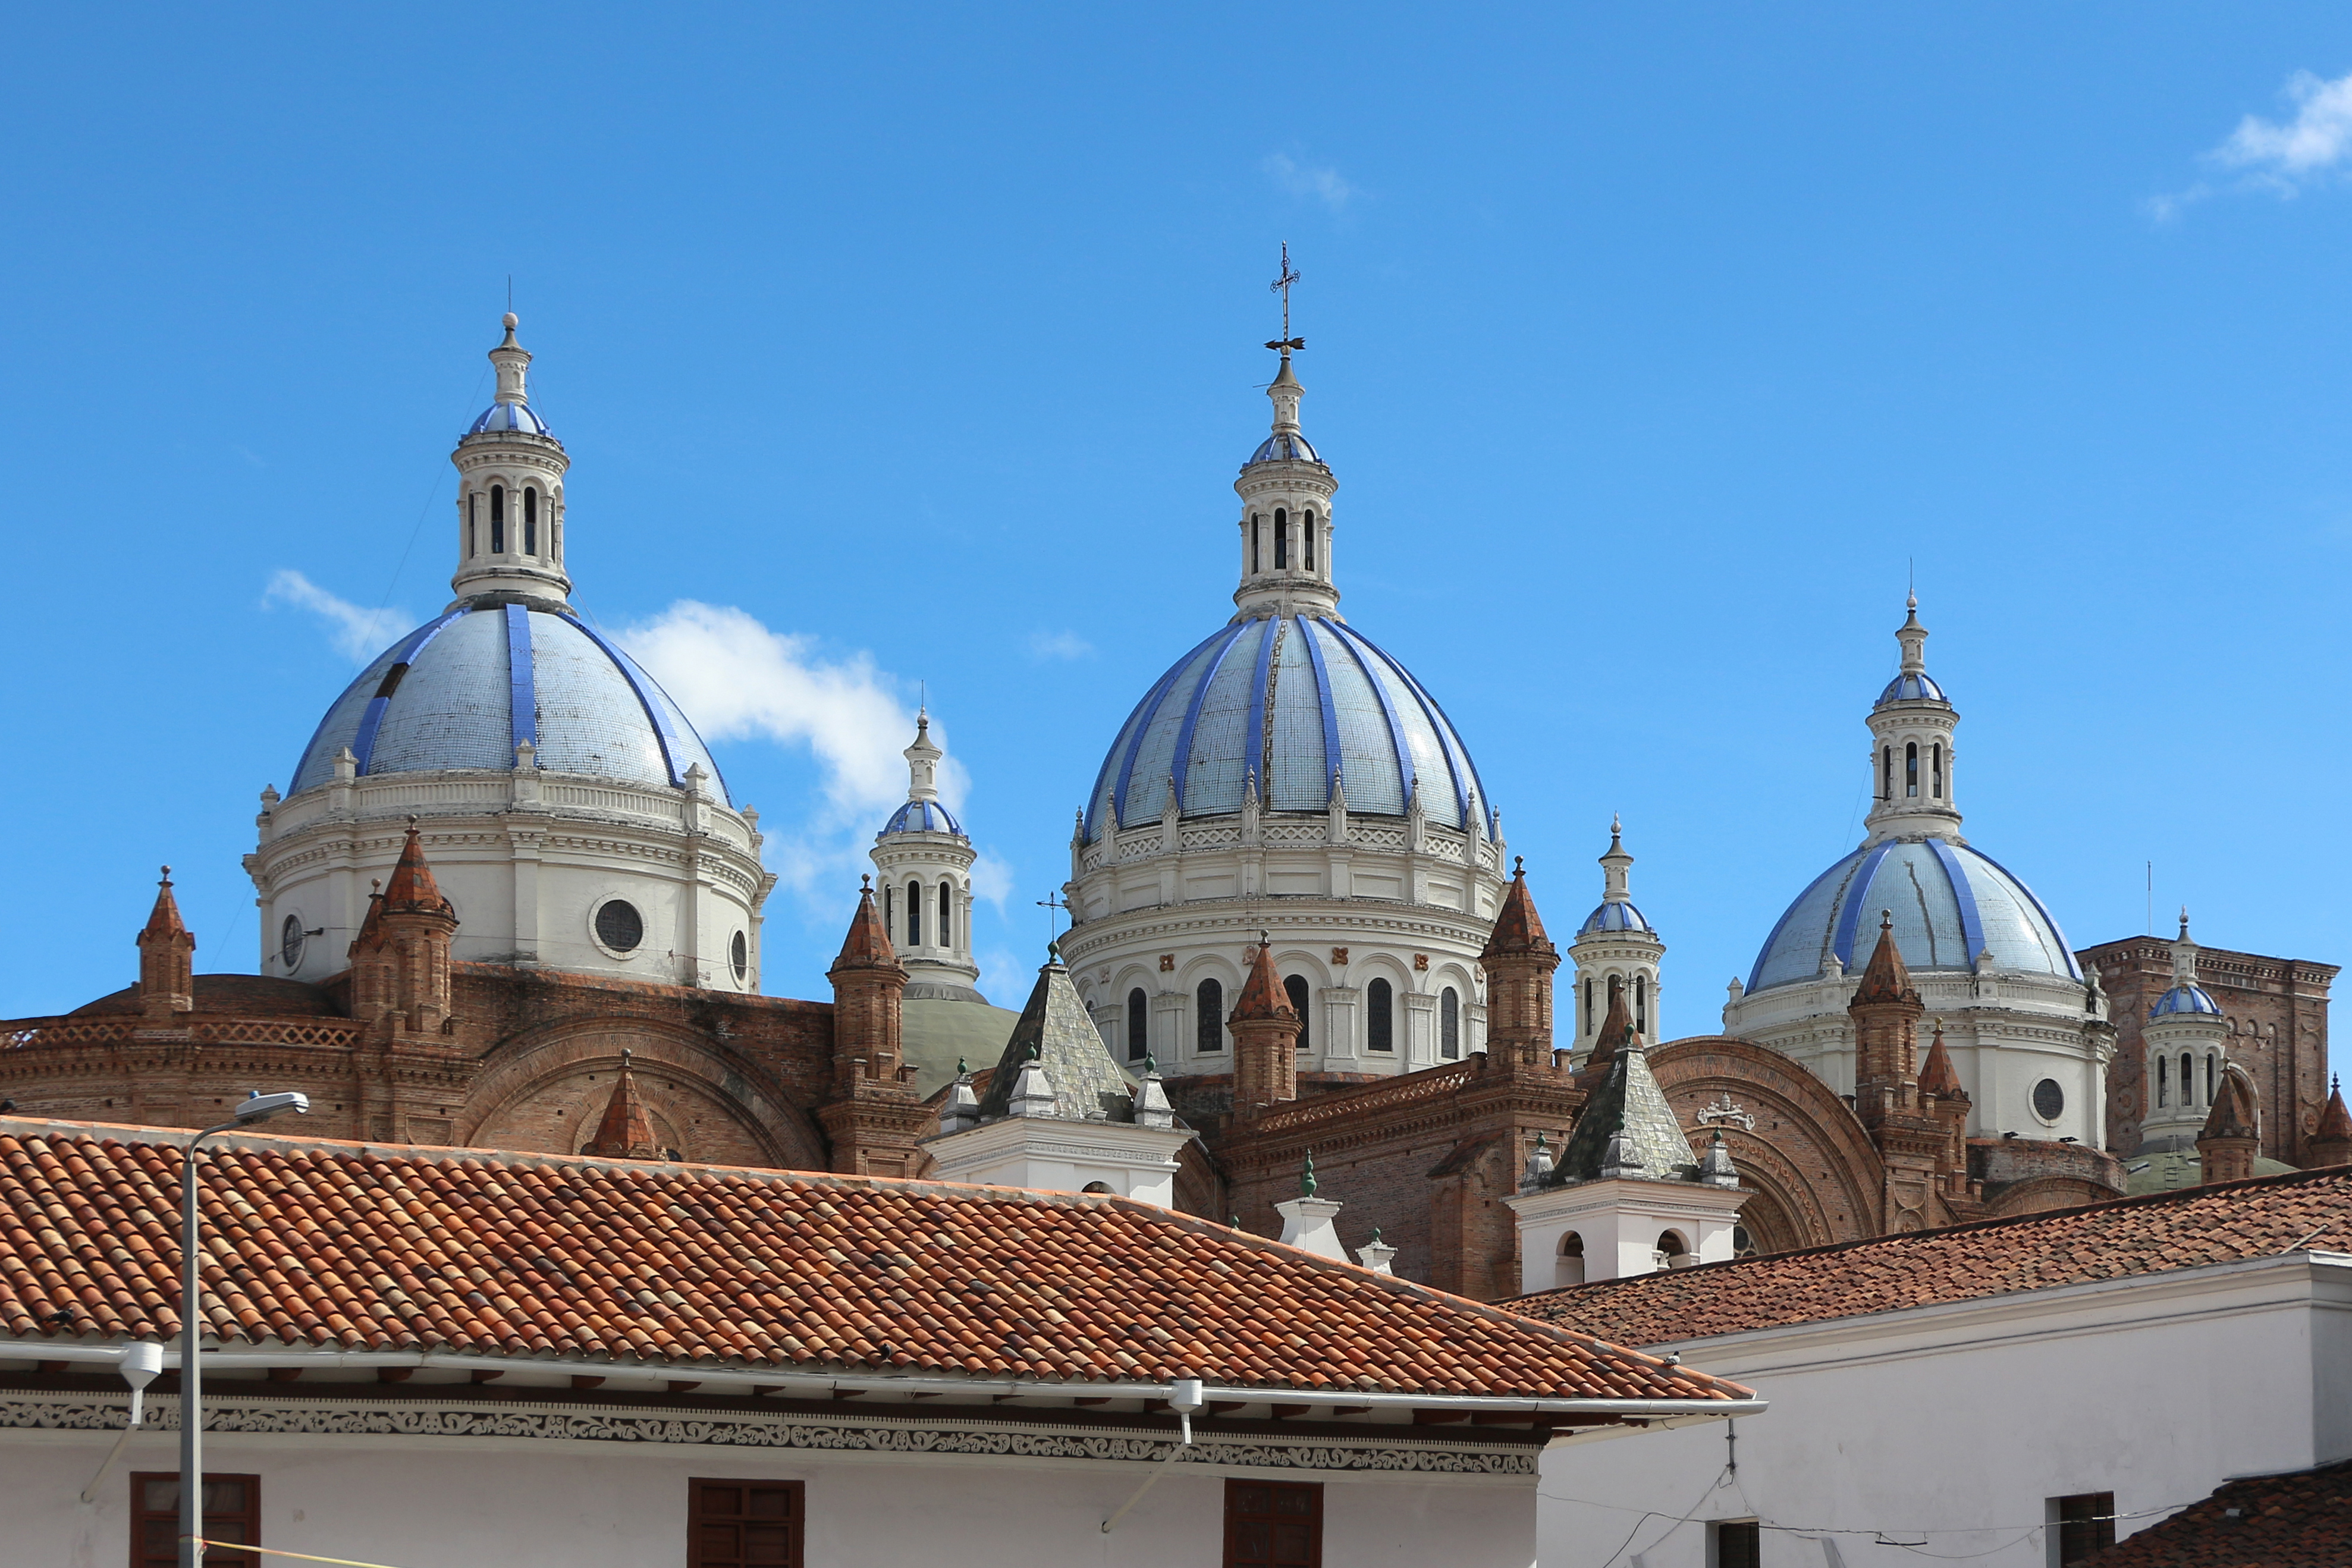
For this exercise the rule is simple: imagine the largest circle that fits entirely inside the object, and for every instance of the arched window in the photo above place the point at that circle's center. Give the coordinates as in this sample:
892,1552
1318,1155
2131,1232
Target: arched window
1294,988
1886,774
473,522
1379,1017
1590,1021
1257,536
1209,1016
1307,538
914,914
1449,1025
2188,1081
1642,1006
889,909
2212,1079
530,520
1911,769
2163,1081
1570,1270
1138,1026
1673,1251
497,519
1939,770
947,914
1281,537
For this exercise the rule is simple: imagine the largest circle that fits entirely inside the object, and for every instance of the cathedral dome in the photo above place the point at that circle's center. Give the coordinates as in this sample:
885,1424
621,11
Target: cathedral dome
922,817
514,417
1292,701
2188,998
463,690
1615,915
1949,903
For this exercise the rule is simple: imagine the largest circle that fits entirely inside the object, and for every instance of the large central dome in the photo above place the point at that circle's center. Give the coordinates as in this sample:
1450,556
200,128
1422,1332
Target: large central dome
1292,701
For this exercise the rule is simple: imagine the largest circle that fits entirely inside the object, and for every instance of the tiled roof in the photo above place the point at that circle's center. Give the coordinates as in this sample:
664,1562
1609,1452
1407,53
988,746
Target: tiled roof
357,1248
2220,1224
1261,994
2298,1520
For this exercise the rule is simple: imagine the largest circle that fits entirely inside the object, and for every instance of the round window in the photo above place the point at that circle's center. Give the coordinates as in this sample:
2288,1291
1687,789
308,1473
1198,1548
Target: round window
619,925
739,953
290,940
2049,1100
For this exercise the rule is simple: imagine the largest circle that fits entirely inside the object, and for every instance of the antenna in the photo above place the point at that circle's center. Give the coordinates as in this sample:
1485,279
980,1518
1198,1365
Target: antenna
2151,898
1282,286
509,293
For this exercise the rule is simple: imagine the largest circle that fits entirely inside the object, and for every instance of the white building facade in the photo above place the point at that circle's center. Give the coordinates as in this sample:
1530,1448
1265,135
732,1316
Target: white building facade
1287,776
571,814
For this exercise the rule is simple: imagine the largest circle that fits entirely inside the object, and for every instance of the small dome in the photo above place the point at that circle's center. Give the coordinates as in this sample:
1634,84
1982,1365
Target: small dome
1282,449
2190,999
1615,917
1912,686
463,689
920,817
1949,902
510,416
1290,700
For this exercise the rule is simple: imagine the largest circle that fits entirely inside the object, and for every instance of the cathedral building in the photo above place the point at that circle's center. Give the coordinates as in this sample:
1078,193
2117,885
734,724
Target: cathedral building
508,902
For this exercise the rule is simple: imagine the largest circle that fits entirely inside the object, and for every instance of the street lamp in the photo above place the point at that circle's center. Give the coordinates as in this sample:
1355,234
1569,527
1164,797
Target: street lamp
256,1107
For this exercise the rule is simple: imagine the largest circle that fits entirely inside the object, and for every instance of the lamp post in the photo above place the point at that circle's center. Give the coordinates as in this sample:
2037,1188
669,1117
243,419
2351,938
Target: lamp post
256,1107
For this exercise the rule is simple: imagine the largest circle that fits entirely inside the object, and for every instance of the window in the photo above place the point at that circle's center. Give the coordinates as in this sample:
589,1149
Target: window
1379,1017
1886,774
739,957
1257,534
530,520
1138,1026
473,517
914,914
2188,1081
1673,1248
619,925
1589,1020
2049,1100
231,1512
1939,770
2163,1081
1307,538
2083,1524
947,914
1642,1006
1296,989
889,909
289,945
1911,768
1570,1270
1274,1524
1449,1027
497,519
1734,1543
1209,1016
744,1524
1281,537
2212,1085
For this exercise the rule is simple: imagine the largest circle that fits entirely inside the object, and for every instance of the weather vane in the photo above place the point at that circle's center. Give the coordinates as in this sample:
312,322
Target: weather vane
1282,286
1049,904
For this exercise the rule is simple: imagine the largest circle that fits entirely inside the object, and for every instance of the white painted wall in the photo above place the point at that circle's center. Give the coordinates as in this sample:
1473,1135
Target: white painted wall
430,1502
1963,1420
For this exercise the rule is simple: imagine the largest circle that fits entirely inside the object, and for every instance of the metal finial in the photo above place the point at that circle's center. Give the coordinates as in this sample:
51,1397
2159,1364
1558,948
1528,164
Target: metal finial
167,874
1150,1066
1518,866
1237,1222
1376,1236
1307,1177
865,883
962,1068
1282,286
627,1055
1032,1051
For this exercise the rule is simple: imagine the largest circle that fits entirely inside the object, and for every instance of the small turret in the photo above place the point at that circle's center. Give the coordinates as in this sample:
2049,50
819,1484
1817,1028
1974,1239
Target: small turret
627,1132
2233,1134
2331,1141
1519,960
167,952
1264,1027
1615,943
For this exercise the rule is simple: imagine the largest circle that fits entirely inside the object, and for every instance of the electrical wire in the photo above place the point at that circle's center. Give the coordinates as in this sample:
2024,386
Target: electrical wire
1651,1514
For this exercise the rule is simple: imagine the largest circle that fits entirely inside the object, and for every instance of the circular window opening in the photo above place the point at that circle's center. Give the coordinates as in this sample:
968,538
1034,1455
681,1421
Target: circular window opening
619,925
739,954
291,941
2049,1100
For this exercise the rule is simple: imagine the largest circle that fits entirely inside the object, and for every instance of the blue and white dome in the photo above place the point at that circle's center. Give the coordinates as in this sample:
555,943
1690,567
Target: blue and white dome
1291,699
921,817
516,416
1912,686
1280,447
2188,998
465,688
1615,915
1949,902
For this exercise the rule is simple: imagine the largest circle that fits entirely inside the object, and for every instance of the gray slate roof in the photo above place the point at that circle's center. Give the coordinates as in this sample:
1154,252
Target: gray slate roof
1089,1085
1631,1102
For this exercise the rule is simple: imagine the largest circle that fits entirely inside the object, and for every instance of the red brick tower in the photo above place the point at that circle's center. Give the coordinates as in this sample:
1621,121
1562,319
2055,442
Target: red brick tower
1616,1033
2331,1142
1519,960
2233,1134
1947,1103
400,959
1265,1038
626,1132
1912,1142
167,953
874,1119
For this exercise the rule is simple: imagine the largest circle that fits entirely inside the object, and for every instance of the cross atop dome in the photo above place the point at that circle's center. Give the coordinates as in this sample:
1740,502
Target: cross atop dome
1285,489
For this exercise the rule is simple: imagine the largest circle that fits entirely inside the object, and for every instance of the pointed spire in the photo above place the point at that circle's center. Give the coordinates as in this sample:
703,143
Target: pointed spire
1614,865
2331,1141
626,1132
167,981
1263,997
1885,978
1939,1078
371,932
1054,1063
512,361
2184,954
867,944
1518,927
1913,637
2234,1115
922,760
164,922
1616,1031
411,890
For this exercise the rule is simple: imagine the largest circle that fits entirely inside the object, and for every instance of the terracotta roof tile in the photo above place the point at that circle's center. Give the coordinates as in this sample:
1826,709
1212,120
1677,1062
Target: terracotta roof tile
2298,1520
2184,1229
357,1247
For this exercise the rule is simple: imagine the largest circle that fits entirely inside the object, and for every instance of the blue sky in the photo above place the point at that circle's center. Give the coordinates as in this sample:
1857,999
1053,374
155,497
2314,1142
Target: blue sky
1651,348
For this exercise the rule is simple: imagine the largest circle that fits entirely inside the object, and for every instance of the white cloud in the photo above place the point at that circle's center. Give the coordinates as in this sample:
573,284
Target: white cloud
2282,158
358,634
1059,645
992,879
1325,185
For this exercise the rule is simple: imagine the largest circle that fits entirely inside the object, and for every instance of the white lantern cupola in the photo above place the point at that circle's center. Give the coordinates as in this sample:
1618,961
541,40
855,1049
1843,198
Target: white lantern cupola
1911,761
922,862
511,495
1615,942
2185,1036
1285,525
